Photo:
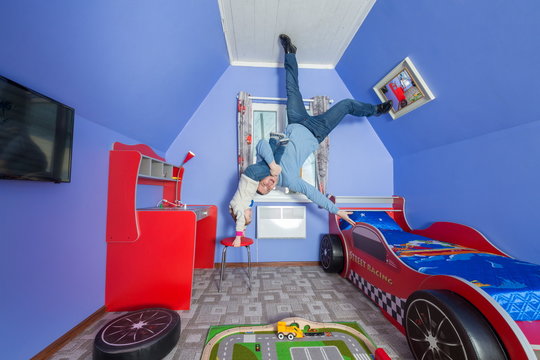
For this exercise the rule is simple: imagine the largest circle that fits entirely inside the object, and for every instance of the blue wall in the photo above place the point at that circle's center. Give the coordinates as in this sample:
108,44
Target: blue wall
470,155
139,67
52,237
359,162
134,72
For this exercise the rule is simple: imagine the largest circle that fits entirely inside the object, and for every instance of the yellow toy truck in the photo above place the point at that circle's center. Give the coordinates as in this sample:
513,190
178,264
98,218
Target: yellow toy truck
289,331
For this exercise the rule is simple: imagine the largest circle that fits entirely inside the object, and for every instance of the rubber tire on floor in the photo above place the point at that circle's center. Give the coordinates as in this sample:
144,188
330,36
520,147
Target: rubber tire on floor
331,253
468,326
110,343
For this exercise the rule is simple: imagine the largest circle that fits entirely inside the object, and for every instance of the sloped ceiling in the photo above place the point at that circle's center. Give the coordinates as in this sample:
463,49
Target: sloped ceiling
470,60
138,67
321,28
143,67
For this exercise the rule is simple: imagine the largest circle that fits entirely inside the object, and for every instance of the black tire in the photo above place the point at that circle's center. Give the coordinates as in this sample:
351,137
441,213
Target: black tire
147,334
290,336
442,325
281,336
331,253
403,103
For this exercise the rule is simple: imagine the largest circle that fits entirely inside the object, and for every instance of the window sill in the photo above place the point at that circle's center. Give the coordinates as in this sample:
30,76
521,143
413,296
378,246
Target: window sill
281,196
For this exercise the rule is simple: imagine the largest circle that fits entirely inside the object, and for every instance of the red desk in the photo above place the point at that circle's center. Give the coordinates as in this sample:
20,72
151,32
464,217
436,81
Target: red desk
151,252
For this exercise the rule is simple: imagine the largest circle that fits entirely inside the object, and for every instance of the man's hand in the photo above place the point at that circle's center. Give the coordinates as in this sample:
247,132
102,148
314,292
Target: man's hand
237,241
275,169
345,216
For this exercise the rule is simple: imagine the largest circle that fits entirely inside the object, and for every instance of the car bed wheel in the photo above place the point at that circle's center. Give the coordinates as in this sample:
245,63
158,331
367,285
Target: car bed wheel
147,334
442,325
331,253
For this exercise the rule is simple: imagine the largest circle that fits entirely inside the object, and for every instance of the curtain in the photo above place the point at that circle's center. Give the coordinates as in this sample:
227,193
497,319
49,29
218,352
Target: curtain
318,106
245,130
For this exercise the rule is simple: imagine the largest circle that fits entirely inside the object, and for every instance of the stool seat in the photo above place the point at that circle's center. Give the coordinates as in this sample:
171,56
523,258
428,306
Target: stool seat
244,242
227,243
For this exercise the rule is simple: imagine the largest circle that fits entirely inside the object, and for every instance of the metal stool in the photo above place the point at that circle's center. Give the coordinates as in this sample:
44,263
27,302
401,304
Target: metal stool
227,242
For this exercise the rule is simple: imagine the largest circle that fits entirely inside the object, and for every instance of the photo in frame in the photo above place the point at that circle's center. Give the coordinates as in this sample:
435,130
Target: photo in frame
405,87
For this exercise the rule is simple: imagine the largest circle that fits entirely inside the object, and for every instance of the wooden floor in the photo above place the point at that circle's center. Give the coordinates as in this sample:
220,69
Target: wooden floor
277,292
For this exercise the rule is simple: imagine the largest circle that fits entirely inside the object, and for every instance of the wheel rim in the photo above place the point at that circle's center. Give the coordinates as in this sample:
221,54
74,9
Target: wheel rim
326,253
431,334
290,336
281,336
136,327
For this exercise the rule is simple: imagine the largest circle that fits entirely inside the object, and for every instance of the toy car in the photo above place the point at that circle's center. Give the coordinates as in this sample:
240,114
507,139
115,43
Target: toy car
399,94
447,288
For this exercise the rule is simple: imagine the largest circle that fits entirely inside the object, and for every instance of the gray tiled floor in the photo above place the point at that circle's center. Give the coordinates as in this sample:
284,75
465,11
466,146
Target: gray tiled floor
277,292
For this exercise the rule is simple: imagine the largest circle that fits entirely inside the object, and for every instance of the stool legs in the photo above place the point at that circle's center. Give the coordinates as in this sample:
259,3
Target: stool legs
223,259
249,267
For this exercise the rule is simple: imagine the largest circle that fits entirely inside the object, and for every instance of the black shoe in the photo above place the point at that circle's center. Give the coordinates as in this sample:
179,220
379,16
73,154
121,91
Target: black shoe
383,108
284,141
277,135
287,44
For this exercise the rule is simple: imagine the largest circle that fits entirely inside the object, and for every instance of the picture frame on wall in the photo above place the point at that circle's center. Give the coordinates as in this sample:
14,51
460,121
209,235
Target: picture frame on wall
405,87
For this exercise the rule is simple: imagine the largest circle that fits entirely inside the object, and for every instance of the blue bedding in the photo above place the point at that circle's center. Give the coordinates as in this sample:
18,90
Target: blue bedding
514,284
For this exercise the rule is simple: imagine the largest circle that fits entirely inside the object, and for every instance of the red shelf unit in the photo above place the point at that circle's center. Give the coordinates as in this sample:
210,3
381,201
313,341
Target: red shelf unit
151,252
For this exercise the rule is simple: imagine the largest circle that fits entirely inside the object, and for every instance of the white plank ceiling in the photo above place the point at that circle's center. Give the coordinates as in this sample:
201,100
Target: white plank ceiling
320,29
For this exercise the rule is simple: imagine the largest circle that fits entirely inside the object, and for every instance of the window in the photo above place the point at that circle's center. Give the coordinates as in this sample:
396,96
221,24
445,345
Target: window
272,117
366,240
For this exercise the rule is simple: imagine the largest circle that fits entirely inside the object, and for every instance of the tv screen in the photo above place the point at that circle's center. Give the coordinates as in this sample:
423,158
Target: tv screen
36,135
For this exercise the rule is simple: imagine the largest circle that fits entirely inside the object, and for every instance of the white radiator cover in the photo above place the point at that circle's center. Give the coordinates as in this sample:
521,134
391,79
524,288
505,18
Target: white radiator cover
281,222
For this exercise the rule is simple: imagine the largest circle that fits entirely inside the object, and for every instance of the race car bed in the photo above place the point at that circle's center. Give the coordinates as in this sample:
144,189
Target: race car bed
453,293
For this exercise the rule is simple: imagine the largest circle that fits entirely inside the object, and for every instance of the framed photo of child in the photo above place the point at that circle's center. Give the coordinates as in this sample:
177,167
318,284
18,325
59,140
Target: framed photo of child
405,87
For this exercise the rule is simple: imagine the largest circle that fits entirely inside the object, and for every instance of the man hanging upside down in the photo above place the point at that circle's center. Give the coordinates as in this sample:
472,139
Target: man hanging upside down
304,134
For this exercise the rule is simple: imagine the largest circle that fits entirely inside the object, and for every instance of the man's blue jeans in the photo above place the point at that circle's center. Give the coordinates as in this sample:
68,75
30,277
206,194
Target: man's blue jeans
319,125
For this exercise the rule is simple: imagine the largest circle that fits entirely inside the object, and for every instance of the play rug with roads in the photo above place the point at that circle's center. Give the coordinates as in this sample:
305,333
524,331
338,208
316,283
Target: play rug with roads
291,339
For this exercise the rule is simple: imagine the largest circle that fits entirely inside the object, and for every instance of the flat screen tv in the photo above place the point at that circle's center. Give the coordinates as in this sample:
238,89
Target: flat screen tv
36,135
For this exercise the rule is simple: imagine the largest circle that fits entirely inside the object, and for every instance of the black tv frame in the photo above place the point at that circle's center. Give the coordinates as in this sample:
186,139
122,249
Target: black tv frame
70,152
